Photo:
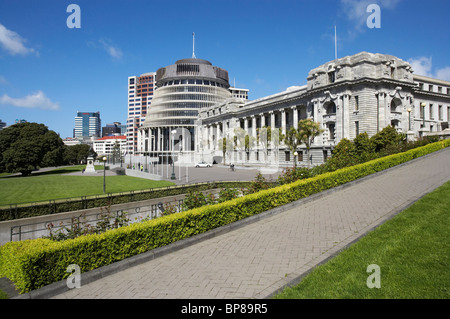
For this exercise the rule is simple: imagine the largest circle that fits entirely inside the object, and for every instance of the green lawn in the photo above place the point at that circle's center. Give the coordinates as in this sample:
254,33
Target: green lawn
412,251
55,185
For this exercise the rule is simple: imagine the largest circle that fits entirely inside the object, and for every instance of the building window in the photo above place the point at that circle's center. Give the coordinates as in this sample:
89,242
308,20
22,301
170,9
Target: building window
287,156
331,77
420,86
430,88
441,114
331,127
396,105
356,103
431,112
448,113
422,111
356,128
300,156
325,155
392,73
439,89
331,108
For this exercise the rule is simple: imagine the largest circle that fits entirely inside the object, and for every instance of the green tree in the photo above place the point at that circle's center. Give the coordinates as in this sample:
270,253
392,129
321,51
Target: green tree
344,154
116,152
364,146
25,147
224,149
307,131
291,140
388,136
264,137
77,154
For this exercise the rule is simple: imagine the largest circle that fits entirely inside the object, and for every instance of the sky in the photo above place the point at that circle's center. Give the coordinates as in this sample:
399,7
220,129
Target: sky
50,71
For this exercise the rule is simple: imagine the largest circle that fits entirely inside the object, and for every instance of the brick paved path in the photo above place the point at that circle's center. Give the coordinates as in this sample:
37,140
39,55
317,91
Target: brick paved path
257,259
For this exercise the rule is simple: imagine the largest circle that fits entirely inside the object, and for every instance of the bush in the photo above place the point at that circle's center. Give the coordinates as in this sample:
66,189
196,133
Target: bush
194,199
290,175
260,183
32,264
226,194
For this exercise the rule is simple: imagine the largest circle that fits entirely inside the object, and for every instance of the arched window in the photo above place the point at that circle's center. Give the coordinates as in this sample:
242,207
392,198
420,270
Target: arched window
331,108
396,105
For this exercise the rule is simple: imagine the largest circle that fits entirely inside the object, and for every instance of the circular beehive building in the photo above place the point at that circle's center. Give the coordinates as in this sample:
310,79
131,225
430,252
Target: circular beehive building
182,90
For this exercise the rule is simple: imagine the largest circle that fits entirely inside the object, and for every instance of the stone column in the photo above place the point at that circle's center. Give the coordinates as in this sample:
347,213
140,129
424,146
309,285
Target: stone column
210,134
295,116
272,127
346,117
253,125
219,136
338,123
283,121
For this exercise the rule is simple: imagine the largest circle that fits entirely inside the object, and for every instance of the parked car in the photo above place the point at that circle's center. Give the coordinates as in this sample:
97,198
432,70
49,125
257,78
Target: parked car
203,164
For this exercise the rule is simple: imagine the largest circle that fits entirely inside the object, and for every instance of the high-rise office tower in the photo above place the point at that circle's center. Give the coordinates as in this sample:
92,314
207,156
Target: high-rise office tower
87,124
140,94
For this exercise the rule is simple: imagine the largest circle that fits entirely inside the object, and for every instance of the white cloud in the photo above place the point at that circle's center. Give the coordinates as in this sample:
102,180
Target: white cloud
423,66
443,74
12,42
36,100
113,51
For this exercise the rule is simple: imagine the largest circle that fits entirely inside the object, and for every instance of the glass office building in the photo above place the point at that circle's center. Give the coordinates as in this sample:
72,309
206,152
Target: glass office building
87,124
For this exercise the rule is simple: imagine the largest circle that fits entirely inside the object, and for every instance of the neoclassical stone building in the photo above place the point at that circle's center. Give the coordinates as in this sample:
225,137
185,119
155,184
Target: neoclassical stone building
361,93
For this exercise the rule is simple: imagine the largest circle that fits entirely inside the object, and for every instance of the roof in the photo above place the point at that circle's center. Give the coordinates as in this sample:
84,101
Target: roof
121,137
193,61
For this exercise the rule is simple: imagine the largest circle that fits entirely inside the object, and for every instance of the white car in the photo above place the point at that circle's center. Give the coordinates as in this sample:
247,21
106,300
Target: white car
203,164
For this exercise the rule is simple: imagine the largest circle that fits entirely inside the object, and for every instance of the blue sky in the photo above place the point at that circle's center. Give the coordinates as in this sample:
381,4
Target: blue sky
48,71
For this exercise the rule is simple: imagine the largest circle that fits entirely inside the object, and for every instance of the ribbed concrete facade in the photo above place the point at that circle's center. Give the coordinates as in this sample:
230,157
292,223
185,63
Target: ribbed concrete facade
184,89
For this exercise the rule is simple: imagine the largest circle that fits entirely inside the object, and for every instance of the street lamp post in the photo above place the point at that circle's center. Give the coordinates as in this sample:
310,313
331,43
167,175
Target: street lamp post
104,174
295,159
409,119
173,154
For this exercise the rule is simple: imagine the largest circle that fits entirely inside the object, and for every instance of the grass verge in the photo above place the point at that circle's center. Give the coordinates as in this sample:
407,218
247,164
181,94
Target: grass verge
48,185
411,250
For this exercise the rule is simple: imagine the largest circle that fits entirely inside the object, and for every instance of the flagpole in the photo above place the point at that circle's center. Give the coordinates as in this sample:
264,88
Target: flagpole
335,43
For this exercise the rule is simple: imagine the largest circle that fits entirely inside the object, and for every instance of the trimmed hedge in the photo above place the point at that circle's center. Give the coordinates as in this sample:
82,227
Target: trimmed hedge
15,211
35,263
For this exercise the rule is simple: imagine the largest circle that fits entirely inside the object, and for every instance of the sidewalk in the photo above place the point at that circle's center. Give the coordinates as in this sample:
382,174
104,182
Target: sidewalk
257,259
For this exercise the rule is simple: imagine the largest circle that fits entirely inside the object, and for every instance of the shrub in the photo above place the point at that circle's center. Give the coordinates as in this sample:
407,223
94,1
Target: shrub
32,264
193,200
344,154
227,194
290,175
260,183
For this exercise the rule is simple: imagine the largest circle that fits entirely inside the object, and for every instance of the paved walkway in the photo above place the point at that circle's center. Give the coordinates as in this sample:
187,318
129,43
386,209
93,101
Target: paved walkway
257,259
